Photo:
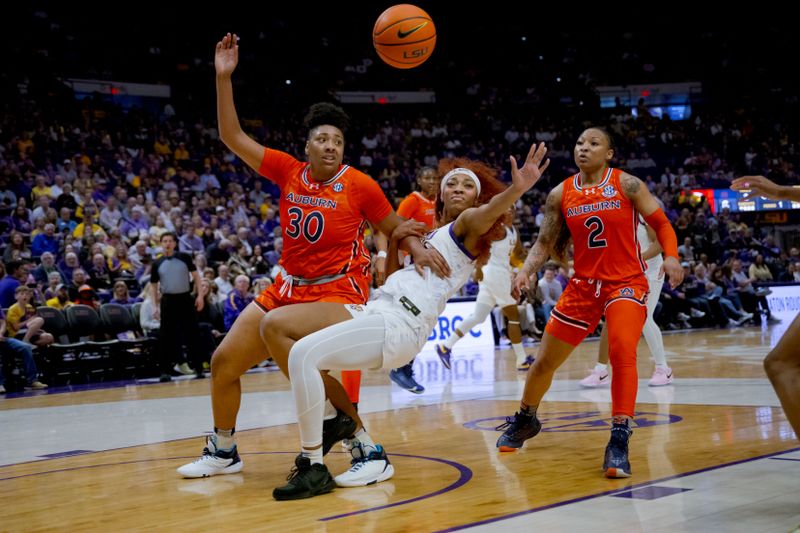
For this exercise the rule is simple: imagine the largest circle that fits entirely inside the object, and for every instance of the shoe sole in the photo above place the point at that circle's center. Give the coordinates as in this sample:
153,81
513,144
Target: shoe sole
506,449
413,391
388,473
616,473
308,494
660,384
446,361
602,384
235,468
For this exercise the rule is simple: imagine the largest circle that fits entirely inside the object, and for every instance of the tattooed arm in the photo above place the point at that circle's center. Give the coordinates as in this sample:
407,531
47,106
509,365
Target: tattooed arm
542,248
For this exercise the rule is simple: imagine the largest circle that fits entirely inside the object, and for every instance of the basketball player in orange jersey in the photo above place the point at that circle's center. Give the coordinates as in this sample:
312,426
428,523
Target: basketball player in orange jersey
420,206
783,361
324,209
598,207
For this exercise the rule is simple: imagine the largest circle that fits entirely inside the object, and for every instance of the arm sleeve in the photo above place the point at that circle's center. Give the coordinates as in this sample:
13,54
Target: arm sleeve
187,259
278,166
666,235
371,201
154,270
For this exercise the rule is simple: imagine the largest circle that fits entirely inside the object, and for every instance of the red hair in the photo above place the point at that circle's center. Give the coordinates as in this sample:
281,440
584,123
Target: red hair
490,186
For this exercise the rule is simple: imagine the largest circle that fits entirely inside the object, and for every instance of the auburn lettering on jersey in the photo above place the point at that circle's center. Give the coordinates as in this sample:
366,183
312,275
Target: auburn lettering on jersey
323,222
603,222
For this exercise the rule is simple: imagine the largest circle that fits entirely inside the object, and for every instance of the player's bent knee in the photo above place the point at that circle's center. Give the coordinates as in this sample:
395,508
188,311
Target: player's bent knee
774,363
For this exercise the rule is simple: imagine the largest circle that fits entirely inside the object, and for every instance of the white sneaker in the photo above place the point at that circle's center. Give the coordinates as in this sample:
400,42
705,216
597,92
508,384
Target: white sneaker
213,462
683,317
366,470
745,317
662,376
183,368
697,313
595,379
2,389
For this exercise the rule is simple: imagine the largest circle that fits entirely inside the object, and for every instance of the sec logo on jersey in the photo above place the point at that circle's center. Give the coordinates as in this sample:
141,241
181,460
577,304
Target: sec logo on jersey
338,187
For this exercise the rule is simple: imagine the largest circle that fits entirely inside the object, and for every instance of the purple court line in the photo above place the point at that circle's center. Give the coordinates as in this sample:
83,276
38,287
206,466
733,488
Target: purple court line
465,474
783,459
68,453
613,491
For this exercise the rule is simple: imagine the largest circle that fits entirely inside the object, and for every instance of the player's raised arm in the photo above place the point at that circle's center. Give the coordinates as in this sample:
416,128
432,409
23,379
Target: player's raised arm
226,58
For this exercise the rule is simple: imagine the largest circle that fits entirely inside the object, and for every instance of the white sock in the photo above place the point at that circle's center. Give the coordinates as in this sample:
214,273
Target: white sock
366,441
451,341
600,367
315,455
520,351
662,366
330,410
223,439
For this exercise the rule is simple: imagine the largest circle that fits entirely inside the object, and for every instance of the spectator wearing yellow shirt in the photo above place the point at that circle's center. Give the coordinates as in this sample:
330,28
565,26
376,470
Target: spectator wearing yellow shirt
23,322
161,146
181,153
61,299
88,225
41,188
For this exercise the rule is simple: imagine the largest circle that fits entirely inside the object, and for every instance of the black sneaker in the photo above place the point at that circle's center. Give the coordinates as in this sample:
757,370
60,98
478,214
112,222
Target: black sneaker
305,481
518,429
335,429
616,462
404,376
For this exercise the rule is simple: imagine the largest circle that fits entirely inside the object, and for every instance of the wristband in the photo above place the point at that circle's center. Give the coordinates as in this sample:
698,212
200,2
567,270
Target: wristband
381,254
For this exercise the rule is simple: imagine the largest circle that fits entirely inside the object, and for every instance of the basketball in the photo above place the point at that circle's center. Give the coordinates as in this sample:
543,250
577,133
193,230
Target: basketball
404,36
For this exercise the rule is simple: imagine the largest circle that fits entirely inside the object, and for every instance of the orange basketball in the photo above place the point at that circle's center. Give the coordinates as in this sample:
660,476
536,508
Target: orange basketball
404,36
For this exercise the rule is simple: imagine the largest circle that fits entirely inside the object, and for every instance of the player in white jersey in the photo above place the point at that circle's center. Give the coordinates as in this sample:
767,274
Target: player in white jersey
651,253
494,289
472,208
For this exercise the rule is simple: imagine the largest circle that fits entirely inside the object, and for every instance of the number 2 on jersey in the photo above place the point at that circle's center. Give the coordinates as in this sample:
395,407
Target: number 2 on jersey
309,224
595,226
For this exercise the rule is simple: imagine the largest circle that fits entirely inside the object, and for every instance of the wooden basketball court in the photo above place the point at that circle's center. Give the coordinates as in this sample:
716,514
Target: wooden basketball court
712,452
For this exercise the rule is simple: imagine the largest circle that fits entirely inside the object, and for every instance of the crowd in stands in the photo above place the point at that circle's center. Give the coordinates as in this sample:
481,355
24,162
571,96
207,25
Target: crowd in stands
88,187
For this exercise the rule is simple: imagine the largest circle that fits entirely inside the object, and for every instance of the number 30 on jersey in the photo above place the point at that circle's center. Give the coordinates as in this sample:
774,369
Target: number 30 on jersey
310,224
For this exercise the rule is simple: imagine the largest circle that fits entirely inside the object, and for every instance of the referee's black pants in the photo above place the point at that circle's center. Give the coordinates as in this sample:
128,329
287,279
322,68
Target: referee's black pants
179,327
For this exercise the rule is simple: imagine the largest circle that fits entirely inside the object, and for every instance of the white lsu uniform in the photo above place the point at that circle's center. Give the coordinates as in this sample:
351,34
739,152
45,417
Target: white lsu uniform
654,263
653,268
411,304
495,287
